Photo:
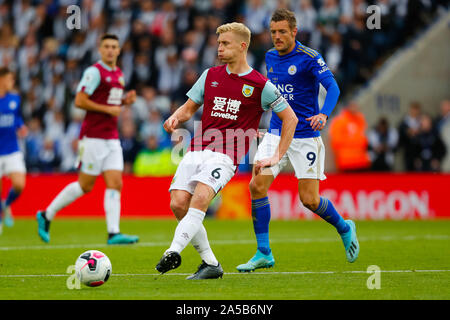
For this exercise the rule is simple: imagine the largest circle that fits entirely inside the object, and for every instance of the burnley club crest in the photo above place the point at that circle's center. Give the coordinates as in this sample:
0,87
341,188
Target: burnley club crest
247,90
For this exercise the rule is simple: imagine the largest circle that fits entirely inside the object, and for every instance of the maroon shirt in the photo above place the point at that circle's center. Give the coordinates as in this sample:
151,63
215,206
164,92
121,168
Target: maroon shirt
231,113
109,92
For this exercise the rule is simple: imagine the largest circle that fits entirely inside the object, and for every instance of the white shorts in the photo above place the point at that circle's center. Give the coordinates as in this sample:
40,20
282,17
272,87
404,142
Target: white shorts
307,156
214,169
99,155
12,163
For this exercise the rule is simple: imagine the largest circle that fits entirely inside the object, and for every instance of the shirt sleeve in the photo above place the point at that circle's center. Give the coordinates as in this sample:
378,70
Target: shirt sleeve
18,120
332,95
271,98
318,67
197,91
90,80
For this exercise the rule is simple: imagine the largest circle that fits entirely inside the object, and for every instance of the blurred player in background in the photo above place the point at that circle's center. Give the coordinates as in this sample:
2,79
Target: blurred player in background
234,97
11,158
298,72
100,93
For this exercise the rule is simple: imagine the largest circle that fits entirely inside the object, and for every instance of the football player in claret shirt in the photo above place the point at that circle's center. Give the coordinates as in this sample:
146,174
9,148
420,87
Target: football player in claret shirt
11,158
234,96
297,71
100,93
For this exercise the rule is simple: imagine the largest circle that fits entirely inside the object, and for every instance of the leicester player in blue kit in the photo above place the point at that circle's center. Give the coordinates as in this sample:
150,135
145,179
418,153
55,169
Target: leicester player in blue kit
11,158
297,71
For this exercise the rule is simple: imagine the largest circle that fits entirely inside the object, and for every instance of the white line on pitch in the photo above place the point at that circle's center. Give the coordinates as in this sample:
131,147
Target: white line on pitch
226,273
229,242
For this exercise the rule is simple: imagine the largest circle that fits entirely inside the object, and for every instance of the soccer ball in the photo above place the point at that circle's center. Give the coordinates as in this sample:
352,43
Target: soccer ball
93,268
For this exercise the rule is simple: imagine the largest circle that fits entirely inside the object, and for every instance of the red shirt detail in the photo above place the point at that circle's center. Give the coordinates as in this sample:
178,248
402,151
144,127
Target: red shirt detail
230,119
109,92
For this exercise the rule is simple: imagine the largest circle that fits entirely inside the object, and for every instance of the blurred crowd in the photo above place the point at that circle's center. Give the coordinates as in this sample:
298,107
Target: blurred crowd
421,142
165,47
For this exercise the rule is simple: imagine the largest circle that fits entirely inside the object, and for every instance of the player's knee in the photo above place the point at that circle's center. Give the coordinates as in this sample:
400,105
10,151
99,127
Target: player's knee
178,207
310,201
200,200
257,189
18,186
117,185
86,186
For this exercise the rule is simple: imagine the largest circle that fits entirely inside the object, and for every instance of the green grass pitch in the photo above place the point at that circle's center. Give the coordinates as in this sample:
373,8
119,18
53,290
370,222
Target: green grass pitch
413,256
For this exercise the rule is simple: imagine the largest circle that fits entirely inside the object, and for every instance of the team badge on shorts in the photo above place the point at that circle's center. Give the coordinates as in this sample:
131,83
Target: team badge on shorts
247,90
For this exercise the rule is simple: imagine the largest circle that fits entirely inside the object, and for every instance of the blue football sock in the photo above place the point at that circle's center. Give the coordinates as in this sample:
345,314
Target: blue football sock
261,219
328,212
1,209
12,196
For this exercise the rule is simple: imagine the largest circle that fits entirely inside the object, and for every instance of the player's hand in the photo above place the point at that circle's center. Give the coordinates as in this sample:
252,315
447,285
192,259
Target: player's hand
22,132
114,110
265,163
130,97
318,121
259,134
171,124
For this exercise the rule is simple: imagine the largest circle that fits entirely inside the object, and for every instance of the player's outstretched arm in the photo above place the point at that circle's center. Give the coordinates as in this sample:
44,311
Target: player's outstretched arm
289,123
182,114
82,101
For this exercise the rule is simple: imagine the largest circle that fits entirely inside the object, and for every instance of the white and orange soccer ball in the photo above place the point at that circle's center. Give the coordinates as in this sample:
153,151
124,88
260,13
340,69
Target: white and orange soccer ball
93,268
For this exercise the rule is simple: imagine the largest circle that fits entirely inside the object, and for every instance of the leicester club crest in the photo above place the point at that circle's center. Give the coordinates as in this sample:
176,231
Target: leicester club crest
247,90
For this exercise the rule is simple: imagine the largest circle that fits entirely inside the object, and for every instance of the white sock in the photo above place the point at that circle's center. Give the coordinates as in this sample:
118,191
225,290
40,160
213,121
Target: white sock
201,244
186,229
111,205
68,195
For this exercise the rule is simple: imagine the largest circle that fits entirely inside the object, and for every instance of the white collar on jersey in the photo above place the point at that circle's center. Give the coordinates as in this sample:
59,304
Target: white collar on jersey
241,74
104,65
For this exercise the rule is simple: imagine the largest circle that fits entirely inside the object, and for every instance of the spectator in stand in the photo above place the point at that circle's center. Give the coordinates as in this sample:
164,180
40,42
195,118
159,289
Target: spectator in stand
130,145
383,142
408,131
49,159
348,139
33,144
430,149
444,116
154,160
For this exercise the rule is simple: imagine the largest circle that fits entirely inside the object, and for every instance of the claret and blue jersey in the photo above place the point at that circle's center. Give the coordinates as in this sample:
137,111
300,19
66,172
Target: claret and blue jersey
298,75
10,121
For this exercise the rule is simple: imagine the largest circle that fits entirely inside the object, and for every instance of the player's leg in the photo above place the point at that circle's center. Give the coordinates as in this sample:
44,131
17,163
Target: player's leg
17,186
111,204
263,258
259,185
14,167
324,208
191,222
179,204
308,159
187,228
69,194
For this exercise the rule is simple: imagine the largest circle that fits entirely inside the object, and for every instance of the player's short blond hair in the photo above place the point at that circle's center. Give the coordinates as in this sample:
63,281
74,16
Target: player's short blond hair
237,28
